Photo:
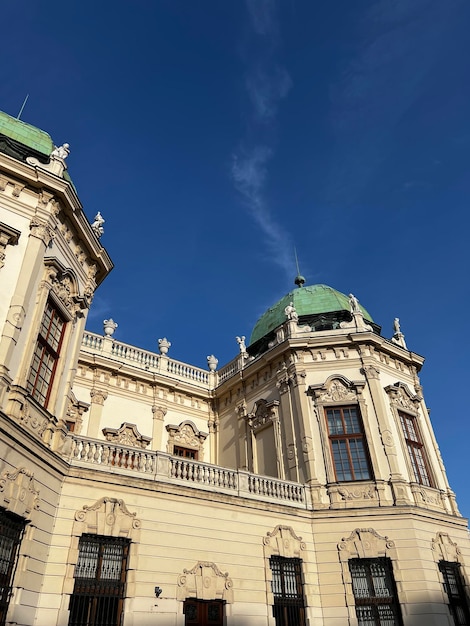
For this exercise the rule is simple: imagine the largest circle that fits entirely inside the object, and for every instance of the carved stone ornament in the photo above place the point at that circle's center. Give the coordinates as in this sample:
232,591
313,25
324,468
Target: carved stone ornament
264,414
42,230
402,398
283,541
366,492
127,435
185,435
8,237
365,543
337,389
107,516
98,396
445,548
205,581
18,493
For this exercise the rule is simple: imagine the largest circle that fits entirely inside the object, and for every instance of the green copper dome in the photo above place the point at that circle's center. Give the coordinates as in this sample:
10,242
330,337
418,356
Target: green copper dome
311,301
25,134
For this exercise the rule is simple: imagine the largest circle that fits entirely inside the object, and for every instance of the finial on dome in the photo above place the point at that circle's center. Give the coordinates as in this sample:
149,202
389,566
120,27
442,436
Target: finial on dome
299,279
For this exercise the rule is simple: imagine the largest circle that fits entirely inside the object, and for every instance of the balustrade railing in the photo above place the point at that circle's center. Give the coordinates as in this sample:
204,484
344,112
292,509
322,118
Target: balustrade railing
150,361
159,466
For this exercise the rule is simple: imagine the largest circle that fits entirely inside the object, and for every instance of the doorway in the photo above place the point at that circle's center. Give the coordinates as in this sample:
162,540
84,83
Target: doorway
203,612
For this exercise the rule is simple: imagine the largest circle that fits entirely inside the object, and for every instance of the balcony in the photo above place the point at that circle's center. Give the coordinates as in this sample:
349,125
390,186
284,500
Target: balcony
99,455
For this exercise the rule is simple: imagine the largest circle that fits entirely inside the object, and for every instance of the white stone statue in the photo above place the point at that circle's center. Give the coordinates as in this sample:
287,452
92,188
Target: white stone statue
354,304
291,313
396,325
241,343
61,152
97,225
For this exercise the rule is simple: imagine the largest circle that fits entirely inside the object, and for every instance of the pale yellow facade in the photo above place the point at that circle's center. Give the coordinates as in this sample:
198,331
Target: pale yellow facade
207,474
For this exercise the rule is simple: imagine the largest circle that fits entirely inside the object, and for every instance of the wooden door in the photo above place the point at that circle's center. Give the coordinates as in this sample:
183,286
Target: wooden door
203,612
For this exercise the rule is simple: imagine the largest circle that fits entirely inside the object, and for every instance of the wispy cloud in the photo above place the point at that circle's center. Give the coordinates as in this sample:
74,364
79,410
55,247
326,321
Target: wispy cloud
267,82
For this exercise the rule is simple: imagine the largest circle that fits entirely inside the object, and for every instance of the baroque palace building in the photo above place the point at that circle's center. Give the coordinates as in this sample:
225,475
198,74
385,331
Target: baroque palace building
299,485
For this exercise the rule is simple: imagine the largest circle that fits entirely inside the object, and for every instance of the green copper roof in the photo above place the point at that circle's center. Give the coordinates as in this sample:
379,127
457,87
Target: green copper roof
312,300
25,134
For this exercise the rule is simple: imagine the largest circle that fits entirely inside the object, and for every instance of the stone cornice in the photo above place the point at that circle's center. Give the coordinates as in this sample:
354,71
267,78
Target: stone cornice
38,179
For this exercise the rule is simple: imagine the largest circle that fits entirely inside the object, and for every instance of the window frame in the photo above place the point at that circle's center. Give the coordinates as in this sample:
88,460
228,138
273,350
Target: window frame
417,454
182,452
457,600
44,350
345,436
93,595
287,588
374,601
12,531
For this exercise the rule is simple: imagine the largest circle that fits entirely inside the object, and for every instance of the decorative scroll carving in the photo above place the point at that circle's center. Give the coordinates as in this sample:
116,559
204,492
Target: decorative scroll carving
185,435
107,516
75,412
42,230
98,396
365,543
283,541
127,435
358,493
264,414
205,581
8,237
337,389
445,548
18,493
402,398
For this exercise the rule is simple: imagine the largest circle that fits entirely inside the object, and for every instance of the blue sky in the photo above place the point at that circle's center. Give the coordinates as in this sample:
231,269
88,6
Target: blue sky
214,136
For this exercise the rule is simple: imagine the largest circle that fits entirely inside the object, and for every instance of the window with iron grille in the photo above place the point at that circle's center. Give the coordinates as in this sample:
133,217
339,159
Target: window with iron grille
46,355
375,592
416,449
455,589
348,446
100,578
11,532
287,588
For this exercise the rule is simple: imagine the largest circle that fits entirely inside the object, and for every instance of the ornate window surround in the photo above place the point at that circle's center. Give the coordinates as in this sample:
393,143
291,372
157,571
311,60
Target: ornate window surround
186,435
335,392
263,416
403,401
365,543
283,542
107,517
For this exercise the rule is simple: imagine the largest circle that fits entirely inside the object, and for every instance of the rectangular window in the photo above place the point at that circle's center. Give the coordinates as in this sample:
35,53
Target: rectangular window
46,355
375,592
11,532
416,449
100,577
348,447
287,588
455,589
186,453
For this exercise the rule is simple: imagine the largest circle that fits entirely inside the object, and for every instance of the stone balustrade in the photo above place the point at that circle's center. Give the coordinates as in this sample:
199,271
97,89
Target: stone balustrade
159,466
150,361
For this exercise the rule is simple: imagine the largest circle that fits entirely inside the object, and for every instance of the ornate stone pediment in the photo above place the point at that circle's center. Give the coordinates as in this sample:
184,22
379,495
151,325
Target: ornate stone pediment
337,389
127,435
107,516
8,237
205,581
365,543
264,414
446,548
283,541
18,493
64,284
402,398
185,435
